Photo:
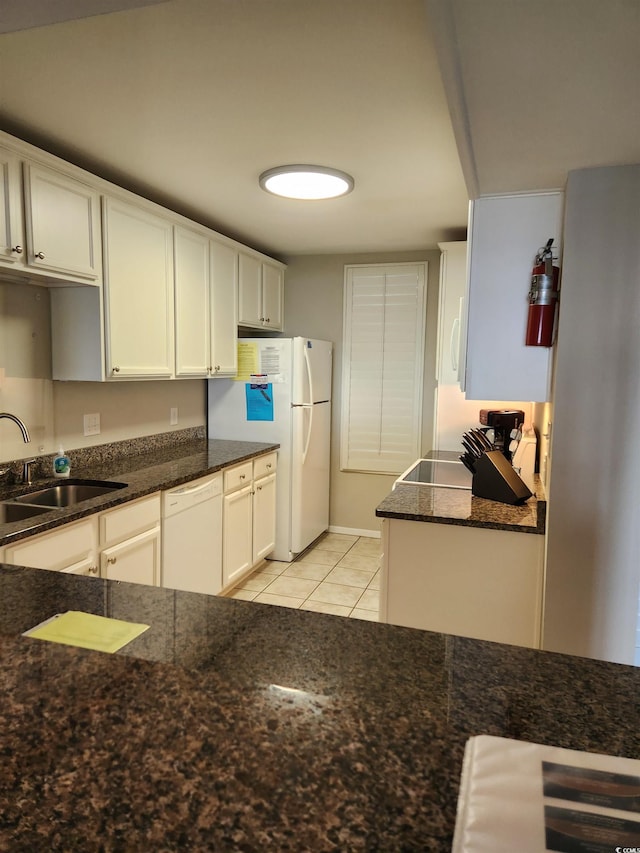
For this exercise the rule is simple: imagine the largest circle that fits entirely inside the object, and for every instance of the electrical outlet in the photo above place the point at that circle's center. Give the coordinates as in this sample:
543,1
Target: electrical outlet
92,424
173,416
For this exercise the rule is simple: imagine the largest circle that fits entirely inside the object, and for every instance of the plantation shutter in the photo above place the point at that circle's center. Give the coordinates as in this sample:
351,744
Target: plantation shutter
384,322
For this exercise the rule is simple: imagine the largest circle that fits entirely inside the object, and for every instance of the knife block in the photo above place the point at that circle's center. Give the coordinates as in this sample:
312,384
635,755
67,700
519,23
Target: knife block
496,480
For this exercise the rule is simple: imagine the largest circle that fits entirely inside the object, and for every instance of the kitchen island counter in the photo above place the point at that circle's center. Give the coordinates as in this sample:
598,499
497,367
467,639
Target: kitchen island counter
163,466
413,502
231,725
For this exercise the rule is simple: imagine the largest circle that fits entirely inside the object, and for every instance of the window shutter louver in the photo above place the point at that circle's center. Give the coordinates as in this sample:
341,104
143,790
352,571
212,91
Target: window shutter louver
383,367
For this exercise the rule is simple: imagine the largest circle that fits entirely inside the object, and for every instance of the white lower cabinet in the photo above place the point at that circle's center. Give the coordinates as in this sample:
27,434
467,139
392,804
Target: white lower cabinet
473,582
130,542
248,516
72,549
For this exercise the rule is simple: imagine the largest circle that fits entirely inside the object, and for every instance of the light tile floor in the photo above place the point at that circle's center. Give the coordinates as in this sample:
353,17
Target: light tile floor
340,574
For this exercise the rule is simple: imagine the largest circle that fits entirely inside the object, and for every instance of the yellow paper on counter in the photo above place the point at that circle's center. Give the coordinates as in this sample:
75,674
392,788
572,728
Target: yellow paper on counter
87,631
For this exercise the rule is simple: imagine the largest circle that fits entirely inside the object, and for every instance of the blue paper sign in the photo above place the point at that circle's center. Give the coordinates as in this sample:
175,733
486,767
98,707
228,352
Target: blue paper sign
259,401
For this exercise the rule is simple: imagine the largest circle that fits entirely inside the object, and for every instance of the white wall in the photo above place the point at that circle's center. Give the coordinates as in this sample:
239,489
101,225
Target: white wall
593,540
313,307
53,411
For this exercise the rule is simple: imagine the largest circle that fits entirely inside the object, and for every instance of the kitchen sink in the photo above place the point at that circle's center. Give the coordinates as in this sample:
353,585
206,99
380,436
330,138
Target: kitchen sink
19,512
68,493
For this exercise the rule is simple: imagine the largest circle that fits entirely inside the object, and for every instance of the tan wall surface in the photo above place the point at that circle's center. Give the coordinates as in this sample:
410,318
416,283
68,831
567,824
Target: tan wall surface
313,307
53,411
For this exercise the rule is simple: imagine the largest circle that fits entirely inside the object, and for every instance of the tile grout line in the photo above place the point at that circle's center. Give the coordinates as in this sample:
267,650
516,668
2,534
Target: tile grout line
308,599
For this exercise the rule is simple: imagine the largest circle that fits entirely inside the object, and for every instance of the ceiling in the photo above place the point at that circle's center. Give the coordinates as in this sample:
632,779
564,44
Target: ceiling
539,87
425,102
188,101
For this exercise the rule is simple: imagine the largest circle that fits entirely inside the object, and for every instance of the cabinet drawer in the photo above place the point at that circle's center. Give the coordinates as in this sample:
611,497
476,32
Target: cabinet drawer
57,550
240,475
129,519
264,465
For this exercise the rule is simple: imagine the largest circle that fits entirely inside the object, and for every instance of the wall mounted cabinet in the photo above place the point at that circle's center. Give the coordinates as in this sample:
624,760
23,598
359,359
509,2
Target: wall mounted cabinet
206,305
138,283
505,233
49,223
12,242
453,276
168,306
62,218
260,294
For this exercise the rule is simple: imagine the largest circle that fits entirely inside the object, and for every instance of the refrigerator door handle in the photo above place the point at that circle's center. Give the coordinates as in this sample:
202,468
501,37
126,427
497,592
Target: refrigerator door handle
307,364
308,436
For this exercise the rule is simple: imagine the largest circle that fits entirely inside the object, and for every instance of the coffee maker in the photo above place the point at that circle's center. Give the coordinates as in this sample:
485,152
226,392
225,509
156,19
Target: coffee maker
505,423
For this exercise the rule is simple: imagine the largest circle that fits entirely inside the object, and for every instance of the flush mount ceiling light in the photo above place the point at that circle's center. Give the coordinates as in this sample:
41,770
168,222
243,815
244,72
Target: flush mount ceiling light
306,182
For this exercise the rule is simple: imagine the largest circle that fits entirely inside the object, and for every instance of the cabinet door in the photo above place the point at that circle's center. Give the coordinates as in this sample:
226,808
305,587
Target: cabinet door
272,296
136,560
138,292
264,517
12,253
505,234
453,273
191,260
63,224
72,548
249,291
224,310
237,552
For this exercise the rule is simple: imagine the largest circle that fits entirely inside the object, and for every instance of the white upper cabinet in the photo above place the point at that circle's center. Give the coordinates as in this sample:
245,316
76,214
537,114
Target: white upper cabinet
260,294
161,296
272,296
224,309
12,247
138,272
62,217
453,282
505,233
192,287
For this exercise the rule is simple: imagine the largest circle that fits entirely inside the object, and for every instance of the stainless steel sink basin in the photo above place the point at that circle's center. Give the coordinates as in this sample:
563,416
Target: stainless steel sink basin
19,512
68,493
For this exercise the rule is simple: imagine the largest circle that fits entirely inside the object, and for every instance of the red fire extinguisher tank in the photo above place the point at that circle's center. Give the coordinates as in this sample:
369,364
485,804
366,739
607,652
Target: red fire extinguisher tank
543,296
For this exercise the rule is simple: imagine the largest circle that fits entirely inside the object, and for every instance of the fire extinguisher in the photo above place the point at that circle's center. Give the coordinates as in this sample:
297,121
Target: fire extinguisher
543,296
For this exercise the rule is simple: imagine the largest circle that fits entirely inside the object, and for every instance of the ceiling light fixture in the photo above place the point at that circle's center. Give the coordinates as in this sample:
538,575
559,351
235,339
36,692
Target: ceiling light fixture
306,182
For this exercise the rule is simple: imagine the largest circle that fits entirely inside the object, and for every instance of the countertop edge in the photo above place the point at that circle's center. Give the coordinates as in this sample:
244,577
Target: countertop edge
191,462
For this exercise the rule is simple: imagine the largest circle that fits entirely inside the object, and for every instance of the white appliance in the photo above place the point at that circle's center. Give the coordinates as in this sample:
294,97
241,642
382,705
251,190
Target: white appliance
192,536
297,411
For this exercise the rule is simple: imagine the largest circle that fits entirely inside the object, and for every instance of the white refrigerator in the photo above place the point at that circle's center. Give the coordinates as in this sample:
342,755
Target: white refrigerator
283,394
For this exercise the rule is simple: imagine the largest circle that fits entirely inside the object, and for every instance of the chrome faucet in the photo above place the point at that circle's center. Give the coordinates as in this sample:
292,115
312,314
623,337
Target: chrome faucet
26,465
23,429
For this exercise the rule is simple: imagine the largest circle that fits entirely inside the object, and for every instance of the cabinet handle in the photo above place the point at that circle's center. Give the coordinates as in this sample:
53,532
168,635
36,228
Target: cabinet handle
268,464
259,488
111,560
93,570
243,476
217,368
116,370
39,255
17,249
267,319
209,369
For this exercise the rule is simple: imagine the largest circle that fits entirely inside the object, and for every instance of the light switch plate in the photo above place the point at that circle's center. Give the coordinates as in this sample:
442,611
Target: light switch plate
92,424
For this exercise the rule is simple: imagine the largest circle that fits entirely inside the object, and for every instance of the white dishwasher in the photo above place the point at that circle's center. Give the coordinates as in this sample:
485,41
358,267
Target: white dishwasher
192,536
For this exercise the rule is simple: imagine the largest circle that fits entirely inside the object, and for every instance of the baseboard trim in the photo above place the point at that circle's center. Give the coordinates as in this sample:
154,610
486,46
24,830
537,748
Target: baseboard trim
355,531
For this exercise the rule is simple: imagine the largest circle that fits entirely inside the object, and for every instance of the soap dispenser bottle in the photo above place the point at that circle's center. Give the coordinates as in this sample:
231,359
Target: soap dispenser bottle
61,464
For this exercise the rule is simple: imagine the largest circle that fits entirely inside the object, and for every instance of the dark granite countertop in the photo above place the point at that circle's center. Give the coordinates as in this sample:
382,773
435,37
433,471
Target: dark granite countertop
235,726
161,467
441,505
